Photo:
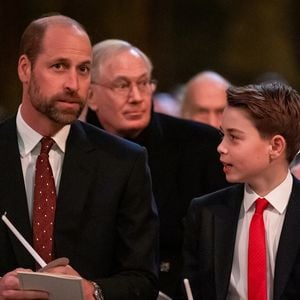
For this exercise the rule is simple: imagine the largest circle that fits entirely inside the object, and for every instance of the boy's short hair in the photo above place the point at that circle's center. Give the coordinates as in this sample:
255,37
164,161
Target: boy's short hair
274,109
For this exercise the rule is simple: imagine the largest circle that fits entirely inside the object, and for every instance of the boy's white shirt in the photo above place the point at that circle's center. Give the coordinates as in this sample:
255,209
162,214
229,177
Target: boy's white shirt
273,218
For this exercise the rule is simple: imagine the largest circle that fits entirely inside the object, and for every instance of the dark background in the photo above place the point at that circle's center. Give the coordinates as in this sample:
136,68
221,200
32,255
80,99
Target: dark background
239,39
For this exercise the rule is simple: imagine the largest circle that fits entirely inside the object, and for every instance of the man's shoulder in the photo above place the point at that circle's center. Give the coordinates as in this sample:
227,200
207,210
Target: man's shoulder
8,122
100,138
8,127
188,134
181,129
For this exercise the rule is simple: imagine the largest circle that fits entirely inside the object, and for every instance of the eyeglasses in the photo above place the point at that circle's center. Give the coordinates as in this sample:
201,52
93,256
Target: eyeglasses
123,87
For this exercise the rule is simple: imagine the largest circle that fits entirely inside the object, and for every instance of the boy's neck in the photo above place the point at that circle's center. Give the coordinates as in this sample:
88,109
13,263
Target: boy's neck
266,183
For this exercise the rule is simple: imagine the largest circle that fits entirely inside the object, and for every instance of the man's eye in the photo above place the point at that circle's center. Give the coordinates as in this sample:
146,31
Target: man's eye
143,83
58,66
122,85
84,69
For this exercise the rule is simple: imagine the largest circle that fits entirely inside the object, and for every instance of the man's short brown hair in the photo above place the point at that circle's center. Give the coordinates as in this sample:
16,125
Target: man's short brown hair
32,38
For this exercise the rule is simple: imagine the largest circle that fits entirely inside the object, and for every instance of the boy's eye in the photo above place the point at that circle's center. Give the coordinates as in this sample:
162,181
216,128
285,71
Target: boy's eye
221,133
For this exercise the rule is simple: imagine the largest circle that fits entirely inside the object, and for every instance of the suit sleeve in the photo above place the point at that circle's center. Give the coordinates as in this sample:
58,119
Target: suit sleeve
190,250
137,246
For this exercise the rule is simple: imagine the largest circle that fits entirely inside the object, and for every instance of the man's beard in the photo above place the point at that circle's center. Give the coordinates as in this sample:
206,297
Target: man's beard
50,106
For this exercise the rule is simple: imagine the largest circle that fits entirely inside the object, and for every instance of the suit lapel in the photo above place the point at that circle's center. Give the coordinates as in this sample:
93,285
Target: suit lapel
289,246
12,191
77,170
226,218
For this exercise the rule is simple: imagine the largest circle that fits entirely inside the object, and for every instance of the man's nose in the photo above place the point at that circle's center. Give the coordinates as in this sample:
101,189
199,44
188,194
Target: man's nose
135,95
214,120
72,81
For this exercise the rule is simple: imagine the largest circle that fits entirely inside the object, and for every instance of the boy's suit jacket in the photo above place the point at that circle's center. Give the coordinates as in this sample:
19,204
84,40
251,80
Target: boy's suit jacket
210,232
106,221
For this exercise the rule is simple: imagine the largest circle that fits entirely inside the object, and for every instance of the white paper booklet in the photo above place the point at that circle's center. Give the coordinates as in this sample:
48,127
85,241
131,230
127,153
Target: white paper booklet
60,287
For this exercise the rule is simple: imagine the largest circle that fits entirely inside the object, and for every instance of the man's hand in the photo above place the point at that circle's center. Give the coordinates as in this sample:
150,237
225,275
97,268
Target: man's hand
10,288
88,288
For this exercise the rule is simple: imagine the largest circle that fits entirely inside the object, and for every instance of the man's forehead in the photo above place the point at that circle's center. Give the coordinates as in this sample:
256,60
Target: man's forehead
125,58
125,64
66,39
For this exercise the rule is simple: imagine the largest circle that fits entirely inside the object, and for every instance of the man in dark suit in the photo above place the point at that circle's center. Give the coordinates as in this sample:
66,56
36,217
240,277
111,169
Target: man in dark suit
261,127
105,218
182,154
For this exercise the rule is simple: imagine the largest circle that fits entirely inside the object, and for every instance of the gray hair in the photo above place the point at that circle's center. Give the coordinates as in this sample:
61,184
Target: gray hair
109,48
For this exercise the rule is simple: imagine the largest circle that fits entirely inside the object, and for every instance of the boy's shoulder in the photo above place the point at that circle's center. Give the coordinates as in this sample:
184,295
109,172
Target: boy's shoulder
227,197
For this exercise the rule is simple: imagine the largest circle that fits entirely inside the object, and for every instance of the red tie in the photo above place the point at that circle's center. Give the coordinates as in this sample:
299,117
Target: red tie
257,262
44,203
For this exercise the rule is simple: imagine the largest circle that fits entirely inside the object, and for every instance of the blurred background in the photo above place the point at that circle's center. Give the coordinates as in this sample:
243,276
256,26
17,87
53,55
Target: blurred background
241,40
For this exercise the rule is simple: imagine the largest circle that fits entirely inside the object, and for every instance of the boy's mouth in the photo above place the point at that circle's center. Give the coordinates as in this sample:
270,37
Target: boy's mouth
227,167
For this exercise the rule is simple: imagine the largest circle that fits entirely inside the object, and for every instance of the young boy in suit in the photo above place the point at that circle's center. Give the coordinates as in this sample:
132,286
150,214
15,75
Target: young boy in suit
243,242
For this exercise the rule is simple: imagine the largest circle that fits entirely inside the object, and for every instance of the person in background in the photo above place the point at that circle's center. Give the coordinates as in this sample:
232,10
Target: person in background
165,103
243,242
204,98
102,214
295,166
182,154
270,77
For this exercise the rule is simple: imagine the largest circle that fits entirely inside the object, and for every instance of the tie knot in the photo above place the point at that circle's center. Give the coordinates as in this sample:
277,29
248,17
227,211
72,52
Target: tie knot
46,144
260,205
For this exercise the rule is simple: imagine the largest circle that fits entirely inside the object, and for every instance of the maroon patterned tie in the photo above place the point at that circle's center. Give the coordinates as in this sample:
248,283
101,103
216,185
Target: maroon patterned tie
44,203
257,262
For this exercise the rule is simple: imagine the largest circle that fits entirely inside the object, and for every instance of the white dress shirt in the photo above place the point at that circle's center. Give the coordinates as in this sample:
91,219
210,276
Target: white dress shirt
29,147
273,219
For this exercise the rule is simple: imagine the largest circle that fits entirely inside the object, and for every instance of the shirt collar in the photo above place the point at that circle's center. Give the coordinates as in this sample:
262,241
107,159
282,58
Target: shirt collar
28,138
278,197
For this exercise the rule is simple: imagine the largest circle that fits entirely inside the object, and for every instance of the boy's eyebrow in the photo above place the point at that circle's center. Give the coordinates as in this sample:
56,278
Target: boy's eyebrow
234,130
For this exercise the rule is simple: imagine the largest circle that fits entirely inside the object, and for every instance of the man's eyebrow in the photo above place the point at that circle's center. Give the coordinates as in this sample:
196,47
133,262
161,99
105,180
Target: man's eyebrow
87,62
60,60
123,77
67,60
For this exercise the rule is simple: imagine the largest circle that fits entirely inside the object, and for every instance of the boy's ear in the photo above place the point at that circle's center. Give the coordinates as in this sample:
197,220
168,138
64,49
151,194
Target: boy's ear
24,68
278,146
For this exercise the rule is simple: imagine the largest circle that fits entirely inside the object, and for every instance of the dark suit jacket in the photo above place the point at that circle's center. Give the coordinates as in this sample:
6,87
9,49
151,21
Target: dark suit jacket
106,221
210,232
184,164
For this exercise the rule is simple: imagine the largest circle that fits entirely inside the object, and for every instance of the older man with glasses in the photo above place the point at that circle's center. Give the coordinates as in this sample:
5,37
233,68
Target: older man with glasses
182,154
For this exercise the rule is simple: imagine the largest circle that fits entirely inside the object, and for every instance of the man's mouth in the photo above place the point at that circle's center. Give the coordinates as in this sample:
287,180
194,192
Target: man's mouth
133,114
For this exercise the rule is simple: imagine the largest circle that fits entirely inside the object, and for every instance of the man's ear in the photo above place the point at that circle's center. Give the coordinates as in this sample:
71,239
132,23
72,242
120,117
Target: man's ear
91,101
278,146
24,68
